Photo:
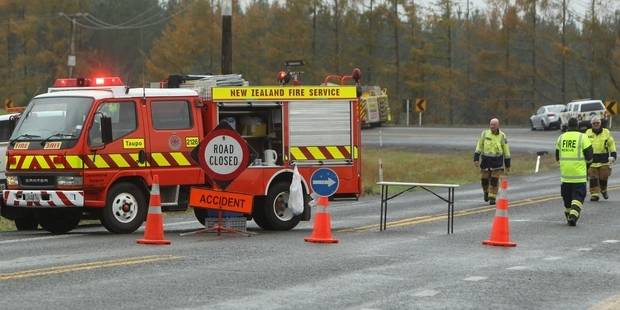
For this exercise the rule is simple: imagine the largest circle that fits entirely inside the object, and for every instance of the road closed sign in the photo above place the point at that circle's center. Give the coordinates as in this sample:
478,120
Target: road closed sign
223,154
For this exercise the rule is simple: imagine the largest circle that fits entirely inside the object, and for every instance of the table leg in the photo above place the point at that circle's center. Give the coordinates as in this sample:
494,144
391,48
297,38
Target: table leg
451,199
381,214
385,207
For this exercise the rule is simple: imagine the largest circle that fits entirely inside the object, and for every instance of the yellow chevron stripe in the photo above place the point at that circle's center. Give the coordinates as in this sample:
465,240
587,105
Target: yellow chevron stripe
335,152
98,161
119,160
27,162
180,159
56,165
297,154
160,160
348,148
134,156
14,166
316,153
42,162
74,161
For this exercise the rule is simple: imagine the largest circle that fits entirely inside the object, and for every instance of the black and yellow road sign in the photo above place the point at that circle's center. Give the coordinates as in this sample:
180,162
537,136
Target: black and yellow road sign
612,107
420,105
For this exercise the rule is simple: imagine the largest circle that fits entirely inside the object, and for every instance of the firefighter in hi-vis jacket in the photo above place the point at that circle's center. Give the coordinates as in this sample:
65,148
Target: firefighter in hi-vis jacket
574,152
492,156
604,148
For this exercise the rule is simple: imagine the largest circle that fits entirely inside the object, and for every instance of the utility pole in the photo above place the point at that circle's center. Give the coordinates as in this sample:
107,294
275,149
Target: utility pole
468,57
71,58
592,50
396,21
371,41
563,51
534,71
226,36
449,19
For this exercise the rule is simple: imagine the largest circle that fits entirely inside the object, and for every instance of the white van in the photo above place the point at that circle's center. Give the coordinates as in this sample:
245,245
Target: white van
584,110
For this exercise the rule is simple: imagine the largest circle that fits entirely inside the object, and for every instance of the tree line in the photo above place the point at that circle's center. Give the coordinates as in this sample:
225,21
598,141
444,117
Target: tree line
469,63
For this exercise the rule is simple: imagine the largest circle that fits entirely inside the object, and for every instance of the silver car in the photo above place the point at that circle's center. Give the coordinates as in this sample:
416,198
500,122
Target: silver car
547,117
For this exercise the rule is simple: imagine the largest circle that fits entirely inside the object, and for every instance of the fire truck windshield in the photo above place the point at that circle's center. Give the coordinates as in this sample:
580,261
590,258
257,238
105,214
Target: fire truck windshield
62,117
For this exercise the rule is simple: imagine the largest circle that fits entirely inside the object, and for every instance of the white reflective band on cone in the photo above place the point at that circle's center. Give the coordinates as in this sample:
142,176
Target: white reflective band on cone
501,212
155,189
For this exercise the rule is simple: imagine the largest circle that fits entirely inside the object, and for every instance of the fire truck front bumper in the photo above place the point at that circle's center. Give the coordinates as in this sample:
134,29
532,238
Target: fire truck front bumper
37,198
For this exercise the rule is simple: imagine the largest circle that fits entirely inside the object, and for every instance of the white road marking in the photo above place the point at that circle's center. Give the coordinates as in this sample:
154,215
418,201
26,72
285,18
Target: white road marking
518,268
475,278
553,258
584,249
426,293
611,241
40,238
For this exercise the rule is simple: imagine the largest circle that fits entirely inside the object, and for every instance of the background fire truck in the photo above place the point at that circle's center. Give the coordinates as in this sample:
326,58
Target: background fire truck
89,149
374,106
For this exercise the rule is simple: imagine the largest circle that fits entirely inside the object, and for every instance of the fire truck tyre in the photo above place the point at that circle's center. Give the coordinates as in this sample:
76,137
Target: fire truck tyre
125,209
26,223
59,221
201,215
278,216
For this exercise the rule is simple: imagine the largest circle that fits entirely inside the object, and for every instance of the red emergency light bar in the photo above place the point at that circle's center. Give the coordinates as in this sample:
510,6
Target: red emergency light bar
86,82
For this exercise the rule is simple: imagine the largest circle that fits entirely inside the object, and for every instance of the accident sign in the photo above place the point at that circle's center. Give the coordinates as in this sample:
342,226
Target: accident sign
281,93
218,200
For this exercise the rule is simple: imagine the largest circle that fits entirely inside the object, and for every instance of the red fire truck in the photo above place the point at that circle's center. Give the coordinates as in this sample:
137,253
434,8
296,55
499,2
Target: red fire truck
89,149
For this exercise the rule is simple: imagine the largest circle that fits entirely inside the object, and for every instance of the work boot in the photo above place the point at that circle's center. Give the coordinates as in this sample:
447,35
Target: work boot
605,195
572,220
594,197
491,201
566,215
486,196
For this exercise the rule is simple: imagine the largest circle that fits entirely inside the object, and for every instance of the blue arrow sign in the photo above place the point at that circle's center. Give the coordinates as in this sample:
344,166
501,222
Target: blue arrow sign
324,182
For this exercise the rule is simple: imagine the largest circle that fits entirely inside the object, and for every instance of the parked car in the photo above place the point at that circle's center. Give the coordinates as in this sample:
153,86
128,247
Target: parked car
547,117
584,110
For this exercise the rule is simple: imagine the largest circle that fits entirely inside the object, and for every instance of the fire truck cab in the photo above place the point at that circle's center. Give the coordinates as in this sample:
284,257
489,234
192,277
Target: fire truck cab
89,148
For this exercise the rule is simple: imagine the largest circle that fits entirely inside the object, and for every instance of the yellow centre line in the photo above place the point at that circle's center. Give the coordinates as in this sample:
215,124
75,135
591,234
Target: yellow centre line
85,266
471,211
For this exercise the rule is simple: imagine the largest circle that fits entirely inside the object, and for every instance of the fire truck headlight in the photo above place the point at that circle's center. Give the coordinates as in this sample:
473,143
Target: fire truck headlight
69,180
11,180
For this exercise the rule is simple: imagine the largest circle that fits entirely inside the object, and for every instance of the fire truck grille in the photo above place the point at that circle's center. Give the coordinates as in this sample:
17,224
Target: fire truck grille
37,180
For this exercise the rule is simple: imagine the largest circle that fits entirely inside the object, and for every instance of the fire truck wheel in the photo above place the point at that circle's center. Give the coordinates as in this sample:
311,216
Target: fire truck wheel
26,223
59,221
125,209
201,215
278,216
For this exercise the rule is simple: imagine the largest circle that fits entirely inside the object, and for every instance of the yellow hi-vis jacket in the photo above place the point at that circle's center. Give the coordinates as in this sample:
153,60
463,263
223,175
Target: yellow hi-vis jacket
603,146
494,150
574,152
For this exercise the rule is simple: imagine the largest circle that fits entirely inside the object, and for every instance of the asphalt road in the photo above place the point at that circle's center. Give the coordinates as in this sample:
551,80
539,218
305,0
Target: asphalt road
519,139
414,264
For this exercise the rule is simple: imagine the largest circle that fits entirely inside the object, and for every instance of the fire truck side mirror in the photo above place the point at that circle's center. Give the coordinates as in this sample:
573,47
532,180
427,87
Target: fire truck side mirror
106,129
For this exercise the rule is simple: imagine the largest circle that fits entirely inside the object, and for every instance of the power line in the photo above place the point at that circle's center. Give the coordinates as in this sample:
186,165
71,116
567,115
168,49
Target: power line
92,22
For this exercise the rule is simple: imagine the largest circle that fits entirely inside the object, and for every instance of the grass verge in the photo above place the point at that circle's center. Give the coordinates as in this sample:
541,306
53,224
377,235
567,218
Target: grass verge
453,167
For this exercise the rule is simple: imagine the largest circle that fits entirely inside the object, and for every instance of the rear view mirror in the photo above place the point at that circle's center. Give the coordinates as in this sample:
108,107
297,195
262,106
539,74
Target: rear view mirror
106,129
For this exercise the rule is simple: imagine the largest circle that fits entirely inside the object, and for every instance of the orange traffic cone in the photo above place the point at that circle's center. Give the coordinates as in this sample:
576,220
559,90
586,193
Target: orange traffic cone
322,230
500,232
154,231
